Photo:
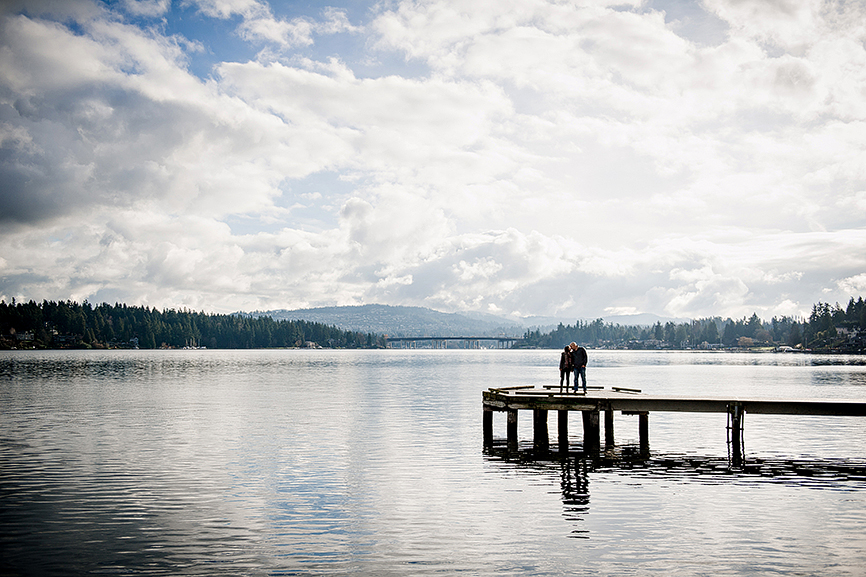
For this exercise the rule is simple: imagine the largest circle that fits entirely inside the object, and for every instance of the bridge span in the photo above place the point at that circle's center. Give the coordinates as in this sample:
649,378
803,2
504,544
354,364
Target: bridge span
458,342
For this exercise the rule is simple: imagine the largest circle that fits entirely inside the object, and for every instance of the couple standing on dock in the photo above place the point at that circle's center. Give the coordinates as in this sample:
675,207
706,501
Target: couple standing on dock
573,358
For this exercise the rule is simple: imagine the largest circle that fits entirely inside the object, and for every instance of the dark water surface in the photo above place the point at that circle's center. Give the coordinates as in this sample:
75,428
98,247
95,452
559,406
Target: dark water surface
371,463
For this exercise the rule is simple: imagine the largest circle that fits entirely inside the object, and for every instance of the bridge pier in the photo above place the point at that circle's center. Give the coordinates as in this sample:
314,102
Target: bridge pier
469,342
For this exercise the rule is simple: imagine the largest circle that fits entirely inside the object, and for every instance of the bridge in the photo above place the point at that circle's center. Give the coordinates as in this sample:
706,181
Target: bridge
500,342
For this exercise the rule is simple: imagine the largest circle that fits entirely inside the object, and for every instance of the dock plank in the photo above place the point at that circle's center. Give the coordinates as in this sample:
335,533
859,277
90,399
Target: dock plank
628,401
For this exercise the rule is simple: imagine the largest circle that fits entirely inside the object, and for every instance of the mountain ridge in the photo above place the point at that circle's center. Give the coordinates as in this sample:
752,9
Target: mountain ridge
414,321
398,321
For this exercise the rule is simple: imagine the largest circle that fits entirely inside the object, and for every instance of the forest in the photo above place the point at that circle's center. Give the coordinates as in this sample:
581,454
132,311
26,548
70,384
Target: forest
828,328
67,324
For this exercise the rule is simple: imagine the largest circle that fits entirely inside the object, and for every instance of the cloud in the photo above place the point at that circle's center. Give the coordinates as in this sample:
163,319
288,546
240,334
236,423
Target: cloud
260,25
786,24
126,125
855,285
557,159
227,8
150,8
169,261
295,33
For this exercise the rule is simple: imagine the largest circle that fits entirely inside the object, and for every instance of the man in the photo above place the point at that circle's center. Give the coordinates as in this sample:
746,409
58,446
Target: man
578,359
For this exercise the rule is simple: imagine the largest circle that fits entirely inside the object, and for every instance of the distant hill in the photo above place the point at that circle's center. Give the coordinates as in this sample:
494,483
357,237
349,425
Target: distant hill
400,321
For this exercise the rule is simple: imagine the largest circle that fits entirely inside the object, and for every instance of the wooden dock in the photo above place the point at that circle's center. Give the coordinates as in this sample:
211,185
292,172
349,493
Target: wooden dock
541,400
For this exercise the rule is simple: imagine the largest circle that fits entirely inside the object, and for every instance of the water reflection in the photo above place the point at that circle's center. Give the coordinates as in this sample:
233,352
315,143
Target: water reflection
368,462
574,480
576,471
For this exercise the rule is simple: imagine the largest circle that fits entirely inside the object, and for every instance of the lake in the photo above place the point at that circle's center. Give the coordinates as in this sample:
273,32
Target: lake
321,462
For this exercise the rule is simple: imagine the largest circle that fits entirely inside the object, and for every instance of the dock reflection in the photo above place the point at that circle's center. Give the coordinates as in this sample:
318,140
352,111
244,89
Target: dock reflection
575,472
574,480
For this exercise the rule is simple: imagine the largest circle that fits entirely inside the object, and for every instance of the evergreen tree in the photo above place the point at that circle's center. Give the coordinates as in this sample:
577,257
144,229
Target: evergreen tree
794,336
68,324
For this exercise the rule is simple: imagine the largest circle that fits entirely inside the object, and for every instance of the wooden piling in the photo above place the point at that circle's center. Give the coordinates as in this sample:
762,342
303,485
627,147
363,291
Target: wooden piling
541,442
643,432
511,429
735,416
562,424
608,428
488,427
591,431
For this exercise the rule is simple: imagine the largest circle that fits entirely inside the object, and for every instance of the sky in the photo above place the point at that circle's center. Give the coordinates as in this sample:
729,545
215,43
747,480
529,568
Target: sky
513,157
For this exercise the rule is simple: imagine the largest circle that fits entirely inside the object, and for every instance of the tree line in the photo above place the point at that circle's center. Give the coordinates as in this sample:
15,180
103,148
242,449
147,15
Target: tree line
828,327
68,324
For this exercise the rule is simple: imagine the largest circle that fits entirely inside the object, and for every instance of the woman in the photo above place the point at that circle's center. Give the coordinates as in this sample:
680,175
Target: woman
565,367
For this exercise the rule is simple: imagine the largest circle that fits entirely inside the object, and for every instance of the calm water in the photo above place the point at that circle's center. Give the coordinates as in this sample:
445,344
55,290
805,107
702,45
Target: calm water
371,462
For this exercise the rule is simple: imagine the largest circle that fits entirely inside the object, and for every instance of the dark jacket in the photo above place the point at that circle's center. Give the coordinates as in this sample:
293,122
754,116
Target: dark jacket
565,362
578,357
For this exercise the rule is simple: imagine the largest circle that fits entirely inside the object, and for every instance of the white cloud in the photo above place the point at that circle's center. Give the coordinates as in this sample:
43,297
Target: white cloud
295,33
558,159
336,21
228,8
855,285
787,23
151,8
260,25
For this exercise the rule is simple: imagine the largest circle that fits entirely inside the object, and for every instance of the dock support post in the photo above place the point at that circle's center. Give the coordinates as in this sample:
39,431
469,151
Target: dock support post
591,431
608,428
512,429
643,432
735,435
487,425
562,422
541,442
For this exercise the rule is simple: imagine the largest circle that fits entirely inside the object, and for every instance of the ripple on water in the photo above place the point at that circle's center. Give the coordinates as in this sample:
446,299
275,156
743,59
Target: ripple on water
370,462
